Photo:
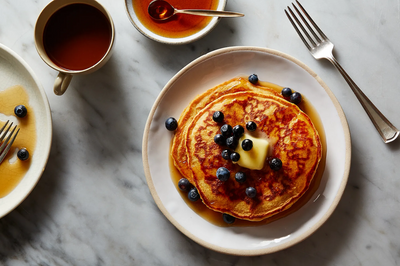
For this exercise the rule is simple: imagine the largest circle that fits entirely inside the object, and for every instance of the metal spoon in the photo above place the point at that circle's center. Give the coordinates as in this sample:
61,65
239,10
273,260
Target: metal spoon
162,10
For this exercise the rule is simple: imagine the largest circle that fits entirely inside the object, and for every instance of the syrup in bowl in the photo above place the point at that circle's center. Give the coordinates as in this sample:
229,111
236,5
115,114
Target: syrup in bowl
180,28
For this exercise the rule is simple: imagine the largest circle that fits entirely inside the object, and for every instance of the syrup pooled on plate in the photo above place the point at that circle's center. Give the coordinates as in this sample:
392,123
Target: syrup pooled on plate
179,25
12,169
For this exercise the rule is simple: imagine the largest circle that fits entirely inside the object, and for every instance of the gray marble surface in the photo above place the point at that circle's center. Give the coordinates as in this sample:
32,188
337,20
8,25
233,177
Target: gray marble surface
92,205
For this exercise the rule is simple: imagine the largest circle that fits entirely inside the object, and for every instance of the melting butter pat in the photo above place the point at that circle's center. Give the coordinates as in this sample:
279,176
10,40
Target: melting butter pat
253,159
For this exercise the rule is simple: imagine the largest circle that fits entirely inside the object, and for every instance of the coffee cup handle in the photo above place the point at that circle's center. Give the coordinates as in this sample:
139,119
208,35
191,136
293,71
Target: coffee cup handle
61,83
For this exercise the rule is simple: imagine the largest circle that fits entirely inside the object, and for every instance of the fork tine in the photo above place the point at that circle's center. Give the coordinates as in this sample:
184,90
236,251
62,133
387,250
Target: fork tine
303,31
297,30
2,128
305,22
8,138
8,147
3,134
324,37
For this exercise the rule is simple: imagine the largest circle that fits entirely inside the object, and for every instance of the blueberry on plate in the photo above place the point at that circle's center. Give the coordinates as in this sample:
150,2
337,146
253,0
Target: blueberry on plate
226,130
247,144
218,116
184,185
223,174
238,131
251,192
251,126
219,139
20,111
193,195
171,124
295,98
229,219
286,92
240,177
23,154
253,78
275,164
226,154
235,156
232,142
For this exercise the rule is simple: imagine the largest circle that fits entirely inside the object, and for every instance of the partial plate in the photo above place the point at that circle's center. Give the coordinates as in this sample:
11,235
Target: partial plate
213,69
15,71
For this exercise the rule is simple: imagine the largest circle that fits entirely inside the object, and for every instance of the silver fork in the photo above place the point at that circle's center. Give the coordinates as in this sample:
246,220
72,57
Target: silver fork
6,140
321,47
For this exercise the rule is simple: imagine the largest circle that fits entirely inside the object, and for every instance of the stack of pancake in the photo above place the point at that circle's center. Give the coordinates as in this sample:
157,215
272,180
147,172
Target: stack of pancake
291,135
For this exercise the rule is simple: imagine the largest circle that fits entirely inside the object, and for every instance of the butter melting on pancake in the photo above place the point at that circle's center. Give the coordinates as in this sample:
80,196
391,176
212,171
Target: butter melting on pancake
178,150
294,140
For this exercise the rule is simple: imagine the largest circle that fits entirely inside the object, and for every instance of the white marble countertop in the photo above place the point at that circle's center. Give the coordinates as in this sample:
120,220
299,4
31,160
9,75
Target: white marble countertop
92,205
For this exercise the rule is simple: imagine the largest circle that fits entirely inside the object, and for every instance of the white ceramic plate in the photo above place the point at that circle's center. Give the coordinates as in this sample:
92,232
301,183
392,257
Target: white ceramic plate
213,69
151,35
15,71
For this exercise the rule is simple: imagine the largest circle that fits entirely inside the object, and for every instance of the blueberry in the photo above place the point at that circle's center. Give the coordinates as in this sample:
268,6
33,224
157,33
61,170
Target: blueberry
240,177
219,139
286,92
226,154
232,142
238,131
235,156
20,111
247,144
253,78
295,98
226,130
23,154
184,185
193,195
229,219
275,164
251,126
223,174
171,124
251,192
218,117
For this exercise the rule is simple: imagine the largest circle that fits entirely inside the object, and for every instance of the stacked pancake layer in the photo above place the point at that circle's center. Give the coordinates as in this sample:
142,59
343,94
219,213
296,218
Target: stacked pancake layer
291,135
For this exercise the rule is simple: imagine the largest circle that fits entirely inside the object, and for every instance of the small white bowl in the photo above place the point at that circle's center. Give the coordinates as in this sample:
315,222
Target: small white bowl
183,40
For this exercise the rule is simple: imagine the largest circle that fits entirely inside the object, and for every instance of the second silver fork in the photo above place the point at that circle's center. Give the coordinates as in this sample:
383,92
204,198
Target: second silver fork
321,47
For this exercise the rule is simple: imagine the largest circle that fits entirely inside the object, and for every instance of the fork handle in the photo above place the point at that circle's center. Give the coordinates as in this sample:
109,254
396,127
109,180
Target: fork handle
387,131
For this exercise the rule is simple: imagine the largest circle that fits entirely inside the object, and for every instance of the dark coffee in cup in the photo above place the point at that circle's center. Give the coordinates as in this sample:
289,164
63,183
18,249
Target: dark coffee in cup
77,36
74,37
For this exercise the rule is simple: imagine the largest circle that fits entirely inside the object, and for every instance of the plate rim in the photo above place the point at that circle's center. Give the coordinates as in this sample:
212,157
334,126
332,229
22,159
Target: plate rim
261,251
43,96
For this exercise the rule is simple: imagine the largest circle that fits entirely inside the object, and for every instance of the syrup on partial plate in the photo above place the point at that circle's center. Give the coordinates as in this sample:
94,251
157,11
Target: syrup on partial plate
12,170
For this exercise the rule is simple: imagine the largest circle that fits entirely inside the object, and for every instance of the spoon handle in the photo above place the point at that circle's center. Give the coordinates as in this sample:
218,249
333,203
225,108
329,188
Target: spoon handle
209,13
